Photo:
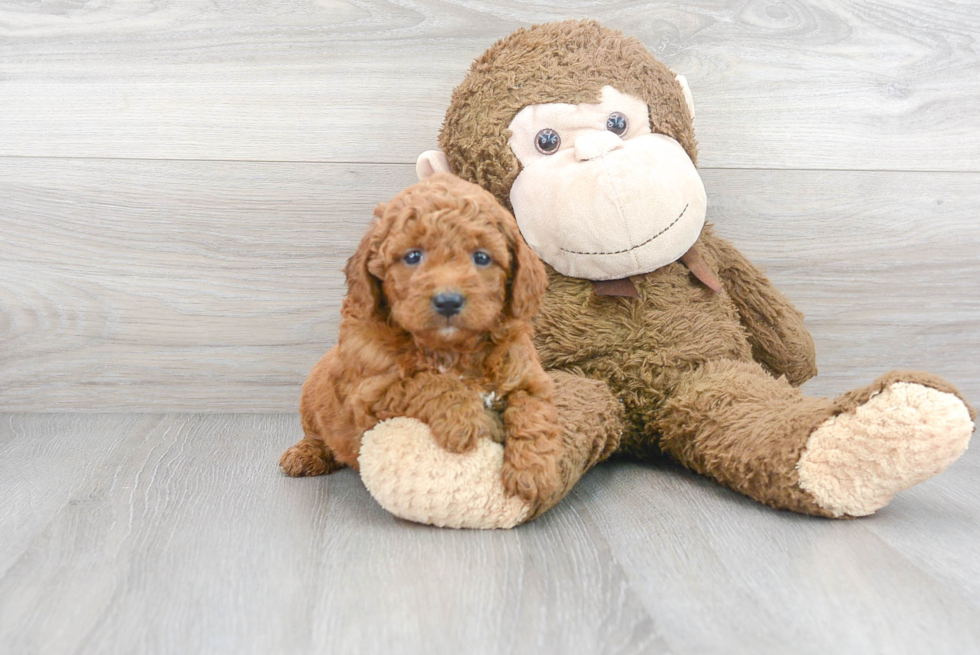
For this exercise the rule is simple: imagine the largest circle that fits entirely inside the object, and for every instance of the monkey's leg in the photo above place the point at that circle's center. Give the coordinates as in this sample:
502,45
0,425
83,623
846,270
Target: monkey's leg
762,437
412,477
592,422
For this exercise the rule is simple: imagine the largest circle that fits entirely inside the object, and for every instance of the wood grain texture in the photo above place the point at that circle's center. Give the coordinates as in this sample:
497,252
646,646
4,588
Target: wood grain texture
44,465
180,185
215,286
793,84
212,278
189,540
731,575
884,265
176,534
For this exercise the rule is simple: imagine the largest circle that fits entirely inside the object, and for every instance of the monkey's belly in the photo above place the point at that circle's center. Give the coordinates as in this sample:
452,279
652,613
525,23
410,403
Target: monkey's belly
676,323
639,346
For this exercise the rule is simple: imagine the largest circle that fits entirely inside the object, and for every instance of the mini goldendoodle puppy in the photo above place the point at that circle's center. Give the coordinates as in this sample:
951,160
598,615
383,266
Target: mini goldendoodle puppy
436,327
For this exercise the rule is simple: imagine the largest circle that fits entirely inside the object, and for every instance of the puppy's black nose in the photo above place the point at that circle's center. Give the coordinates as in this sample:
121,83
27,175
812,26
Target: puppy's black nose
448,304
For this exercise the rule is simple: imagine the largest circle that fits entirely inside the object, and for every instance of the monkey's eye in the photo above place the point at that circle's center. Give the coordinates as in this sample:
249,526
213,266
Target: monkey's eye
412,257
616,123
481,259
547,141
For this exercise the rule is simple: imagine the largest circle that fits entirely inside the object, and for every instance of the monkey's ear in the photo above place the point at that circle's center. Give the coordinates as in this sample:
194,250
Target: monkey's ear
431,162
688,97
364,298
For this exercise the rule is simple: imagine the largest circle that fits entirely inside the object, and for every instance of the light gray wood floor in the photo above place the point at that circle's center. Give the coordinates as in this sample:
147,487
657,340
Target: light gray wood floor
176,534
180,184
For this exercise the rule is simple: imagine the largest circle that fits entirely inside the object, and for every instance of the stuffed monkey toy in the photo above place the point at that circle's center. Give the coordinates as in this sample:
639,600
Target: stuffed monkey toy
661,337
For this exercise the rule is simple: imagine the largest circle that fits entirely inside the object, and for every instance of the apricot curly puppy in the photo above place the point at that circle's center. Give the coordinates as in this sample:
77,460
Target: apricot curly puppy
436,327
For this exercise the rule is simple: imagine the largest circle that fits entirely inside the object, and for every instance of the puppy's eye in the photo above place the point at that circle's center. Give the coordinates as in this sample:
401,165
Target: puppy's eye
412,257
616,123
482,259
547,141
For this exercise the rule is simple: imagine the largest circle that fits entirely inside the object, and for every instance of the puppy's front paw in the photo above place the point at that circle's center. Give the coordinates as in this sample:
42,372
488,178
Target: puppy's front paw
534,483
460,433
455,439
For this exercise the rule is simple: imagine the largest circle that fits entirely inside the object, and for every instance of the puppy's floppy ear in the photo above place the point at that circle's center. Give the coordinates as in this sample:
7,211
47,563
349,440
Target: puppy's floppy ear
364,297
528,277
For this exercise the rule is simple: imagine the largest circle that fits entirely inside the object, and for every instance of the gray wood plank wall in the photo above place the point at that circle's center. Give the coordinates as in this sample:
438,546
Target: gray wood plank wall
180,183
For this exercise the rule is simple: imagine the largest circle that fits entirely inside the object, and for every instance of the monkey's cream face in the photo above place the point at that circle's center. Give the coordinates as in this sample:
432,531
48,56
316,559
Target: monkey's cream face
601,196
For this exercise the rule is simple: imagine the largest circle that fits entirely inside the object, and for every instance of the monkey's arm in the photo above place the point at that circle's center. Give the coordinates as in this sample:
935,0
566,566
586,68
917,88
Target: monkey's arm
780,341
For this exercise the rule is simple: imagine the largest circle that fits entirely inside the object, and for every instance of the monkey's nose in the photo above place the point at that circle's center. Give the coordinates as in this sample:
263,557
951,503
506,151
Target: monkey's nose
448,304
595,144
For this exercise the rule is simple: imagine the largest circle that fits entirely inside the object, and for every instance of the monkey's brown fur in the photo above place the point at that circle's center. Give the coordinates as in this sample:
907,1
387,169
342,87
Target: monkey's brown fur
394,357
710,379
558,62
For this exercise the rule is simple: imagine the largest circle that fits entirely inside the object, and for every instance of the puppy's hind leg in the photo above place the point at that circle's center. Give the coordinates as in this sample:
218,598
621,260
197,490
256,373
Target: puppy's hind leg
318,411
309,456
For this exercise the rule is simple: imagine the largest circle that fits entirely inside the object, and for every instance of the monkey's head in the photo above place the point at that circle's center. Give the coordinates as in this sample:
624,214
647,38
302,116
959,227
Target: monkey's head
589,139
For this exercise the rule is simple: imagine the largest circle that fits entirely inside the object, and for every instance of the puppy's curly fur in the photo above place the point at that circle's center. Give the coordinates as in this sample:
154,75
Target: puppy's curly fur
468,374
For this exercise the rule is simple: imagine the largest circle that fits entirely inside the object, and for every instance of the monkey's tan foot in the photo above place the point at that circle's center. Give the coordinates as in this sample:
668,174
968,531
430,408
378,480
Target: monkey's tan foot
307,458
902,433
412,477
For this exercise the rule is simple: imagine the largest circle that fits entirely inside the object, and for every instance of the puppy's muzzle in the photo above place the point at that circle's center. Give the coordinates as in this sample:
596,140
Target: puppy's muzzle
448,304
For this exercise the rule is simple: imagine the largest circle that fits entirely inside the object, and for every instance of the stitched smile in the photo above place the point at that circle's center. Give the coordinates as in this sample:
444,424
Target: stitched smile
620,252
